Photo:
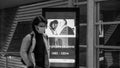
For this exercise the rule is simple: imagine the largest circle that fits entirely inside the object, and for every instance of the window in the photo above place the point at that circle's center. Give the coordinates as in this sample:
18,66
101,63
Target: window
108,34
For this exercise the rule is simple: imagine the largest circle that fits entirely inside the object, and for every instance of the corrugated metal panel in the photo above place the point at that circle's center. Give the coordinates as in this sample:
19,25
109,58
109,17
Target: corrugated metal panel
42,6
43,3
28,12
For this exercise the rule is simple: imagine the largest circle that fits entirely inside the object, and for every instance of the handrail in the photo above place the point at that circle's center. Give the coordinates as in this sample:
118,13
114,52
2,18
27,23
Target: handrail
107,47
114,22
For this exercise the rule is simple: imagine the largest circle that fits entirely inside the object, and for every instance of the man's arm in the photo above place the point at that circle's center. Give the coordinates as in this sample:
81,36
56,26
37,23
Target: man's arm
23,51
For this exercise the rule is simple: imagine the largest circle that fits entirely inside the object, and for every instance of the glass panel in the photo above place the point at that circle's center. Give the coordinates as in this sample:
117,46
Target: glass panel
83,35
109,58
110,34
83,13
109,10
82,57
82,50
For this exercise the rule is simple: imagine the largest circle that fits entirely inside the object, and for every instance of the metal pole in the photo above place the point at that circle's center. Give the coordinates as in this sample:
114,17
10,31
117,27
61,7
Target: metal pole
90,34
6,62
97,32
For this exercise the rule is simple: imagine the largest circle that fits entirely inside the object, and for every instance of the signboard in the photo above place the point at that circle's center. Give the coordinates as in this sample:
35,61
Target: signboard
61,30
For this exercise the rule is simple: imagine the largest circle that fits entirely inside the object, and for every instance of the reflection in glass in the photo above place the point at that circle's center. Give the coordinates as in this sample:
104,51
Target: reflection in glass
111,35
109,10
102,59
109,58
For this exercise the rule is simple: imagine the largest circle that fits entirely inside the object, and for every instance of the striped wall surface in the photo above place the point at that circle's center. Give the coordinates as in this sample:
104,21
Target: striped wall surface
28,12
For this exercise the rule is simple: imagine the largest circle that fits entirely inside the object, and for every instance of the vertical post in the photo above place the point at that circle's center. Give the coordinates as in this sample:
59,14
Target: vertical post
6,62
90,34
97,32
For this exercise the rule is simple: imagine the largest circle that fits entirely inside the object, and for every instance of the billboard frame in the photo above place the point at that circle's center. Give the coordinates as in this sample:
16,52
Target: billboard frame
77,13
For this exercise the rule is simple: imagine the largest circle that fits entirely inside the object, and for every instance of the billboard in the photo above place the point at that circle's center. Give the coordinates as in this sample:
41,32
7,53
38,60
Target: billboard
61,31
